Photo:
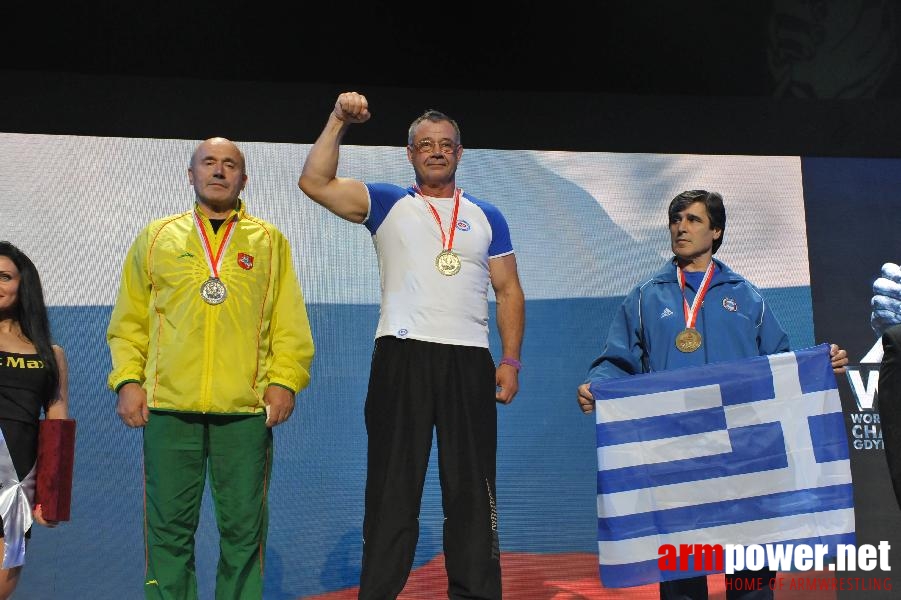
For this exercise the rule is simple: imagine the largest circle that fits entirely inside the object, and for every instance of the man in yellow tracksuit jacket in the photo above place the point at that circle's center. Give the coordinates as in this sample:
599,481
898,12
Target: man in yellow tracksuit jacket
210,342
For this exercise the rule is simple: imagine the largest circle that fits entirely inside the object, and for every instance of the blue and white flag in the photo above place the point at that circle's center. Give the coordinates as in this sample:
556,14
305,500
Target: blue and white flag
742,452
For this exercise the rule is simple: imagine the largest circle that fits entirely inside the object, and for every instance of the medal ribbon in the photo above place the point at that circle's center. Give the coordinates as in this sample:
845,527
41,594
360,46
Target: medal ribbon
448,242
691,313
214,263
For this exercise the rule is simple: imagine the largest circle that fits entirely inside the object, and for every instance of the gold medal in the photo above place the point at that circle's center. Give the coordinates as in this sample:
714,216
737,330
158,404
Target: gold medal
448,263
688,340
213,291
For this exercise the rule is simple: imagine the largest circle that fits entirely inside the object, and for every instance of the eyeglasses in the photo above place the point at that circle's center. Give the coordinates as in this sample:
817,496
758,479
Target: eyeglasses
426,146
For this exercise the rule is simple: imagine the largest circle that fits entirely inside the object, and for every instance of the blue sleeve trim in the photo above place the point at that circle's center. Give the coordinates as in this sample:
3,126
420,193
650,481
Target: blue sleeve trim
501,243
382,197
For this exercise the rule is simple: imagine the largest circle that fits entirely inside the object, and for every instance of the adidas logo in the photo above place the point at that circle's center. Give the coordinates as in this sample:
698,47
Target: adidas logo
666,313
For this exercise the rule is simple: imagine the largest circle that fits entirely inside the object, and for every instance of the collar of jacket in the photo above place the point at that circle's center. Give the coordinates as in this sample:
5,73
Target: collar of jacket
722,273
238,212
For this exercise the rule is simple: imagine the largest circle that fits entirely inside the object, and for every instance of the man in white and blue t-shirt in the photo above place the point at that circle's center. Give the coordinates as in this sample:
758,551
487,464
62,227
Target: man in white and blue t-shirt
438,248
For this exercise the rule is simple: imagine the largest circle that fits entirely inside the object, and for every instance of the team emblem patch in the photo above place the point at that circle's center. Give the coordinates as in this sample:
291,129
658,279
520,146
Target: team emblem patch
730,304
463,225
245,261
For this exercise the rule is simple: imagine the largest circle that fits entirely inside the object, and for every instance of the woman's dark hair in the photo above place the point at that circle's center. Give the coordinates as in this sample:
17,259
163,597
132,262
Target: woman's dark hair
713,201
31,312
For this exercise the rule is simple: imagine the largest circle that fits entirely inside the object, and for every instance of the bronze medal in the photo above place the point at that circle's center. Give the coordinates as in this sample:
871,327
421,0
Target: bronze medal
448,263
688,340
213,291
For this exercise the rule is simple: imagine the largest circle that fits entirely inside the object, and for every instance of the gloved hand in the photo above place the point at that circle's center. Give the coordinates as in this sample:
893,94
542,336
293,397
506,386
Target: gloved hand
886,302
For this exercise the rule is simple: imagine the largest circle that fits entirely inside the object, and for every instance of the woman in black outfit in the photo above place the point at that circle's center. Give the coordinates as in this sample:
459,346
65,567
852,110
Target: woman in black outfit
32,378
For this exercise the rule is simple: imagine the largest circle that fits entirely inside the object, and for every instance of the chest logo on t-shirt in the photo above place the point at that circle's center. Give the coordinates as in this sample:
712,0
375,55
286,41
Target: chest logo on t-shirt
730,304
245,261
463,225
17,362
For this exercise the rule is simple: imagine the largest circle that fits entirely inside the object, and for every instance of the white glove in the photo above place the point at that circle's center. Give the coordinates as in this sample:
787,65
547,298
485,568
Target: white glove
886,300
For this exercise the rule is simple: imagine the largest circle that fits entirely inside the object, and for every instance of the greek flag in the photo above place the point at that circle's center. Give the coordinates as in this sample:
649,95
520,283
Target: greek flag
742,452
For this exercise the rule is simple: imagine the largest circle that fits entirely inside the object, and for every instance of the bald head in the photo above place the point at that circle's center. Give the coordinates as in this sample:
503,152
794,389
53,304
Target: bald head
218,175
221,143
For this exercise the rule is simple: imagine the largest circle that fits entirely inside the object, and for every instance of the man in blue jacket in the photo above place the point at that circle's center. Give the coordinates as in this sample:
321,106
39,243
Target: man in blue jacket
694,311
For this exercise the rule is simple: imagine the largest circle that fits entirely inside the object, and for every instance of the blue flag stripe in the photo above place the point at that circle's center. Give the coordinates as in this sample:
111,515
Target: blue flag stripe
667,426
755,448
829,438
815,374
728,512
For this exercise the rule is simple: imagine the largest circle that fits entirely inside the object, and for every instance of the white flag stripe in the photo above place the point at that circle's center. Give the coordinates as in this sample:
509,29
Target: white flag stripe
658,404
720,489
763,531
785,375
773,410
635,454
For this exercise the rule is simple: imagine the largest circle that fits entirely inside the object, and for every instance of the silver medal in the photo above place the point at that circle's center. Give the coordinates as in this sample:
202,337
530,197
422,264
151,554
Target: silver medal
213,291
